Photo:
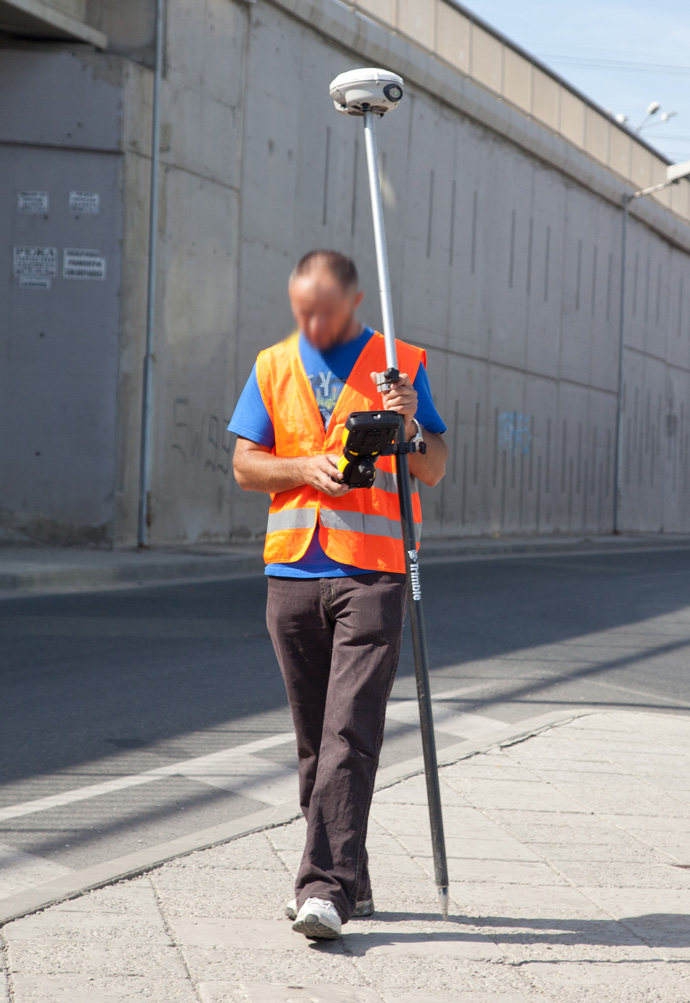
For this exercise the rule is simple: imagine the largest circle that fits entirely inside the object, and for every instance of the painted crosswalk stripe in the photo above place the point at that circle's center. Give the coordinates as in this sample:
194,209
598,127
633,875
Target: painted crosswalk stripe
231,769
446,719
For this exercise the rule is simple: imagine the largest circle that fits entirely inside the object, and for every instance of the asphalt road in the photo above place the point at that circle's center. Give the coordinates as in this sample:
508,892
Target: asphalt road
128,718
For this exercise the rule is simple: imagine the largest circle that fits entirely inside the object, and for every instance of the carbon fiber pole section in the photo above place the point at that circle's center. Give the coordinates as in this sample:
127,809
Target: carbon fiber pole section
421,666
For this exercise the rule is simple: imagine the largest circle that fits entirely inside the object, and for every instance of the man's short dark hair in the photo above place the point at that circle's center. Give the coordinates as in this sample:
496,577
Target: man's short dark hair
341,267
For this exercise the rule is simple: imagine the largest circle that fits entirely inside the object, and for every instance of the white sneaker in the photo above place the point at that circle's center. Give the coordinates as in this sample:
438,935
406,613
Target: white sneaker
319,919
365,907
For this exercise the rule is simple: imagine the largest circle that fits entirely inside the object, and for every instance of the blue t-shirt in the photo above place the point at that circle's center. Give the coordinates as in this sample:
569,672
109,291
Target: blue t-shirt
327,372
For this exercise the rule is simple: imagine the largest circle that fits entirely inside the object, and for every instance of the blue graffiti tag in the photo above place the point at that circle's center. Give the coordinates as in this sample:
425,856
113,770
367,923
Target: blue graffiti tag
514,433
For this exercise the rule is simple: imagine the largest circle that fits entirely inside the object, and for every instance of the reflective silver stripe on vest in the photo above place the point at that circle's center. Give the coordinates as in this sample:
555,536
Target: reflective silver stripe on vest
368,525
291,518
386,481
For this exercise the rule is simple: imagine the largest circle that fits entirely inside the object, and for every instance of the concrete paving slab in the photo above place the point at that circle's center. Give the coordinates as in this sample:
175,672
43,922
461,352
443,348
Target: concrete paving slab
635,980
239,934
597,913
413,974
560,855
651,904
461,997
588,831
135,897
270,992
113,958
624,874
626,800
85,988
523,797
75,926
416,794
517,872
253,853
674,844
647,823
467,821
323,962
503,904
459,847
427,939
398,865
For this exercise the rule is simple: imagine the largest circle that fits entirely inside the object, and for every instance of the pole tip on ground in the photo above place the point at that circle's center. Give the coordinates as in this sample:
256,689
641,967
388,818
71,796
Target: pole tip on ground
443,899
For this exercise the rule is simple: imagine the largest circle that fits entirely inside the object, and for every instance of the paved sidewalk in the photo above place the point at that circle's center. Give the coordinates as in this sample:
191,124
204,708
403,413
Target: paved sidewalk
29,569
569,860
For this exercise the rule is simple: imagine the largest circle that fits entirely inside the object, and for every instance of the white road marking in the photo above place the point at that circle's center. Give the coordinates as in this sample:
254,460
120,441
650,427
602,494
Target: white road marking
19,870
240,772
237,770
445,719
228,768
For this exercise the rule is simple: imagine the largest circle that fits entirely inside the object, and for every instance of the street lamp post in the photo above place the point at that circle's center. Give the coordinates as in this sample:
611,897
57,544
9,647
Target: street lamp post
674,173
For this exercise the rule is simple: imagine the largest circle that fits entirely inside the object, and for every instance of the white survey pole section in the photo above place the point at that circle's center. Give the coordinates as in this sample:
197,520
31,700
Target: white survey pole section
380,239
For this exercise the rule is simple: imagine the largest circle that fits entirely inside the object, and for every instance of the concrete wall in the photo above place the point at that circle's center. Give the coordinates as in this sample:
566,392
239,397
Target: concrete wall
504,268
504,239
60,115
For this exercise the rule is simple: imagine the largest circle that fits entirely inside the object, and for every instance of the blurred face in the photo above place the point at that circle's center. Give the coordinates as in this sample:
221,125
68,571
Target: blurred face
324,311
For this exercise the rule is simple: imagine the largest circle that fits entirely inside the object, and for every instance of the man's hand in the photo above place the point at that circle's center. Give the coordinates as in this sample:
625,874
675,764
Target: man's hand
322,473
257,469
403,399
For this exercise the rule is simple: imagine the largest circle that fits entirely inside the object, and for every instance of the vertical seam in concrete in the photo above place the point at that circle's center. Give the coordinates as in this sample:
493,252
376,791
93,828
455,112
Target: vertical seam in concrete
326,172
173,939
5,967
240,231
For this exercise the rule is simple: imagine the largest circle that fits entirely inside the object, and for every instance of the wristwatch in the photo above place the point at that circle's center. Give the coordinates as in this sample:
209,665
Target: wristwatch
418,438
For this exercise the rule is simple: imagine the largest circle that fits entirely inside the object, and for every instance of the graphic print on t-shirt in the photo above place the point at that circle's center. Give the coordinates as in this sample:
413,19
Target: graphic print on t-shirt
327,388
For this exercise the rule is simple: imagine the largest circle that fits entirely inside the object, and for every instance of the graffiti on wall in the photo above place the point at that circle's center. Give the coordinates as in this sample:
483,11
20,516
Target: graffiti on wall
200,437
514,432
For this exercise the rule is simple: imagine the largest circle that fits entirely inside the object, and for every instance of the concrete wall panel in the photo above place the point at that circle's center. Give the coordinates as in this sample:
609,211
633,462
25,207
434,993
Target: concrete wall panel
571,122
517,80
60,345
417,21
597,132
486,58
453,36
192,468
462,493
545,98
504,264
504,268
545,274
90,88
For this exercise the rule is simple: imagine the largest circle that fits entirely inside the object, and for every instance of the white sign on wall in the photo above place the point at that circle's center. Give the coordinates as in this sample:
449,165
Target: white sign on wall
35,266
83,263
33,202
85,203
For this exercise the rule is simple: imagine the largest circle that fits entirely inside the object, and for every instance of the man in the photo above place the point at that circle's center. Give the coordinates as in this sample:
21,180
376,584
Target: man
335,561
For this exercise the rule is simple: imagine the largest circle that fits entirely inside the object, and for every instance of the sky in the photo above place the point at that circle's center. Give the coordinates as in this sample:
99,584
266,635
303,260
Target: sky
622,55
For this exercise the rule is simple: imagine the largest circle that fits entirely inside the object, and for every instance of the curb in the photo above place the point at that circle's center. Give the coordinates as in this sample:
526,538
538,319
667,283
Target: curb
129,569
71,886
137,572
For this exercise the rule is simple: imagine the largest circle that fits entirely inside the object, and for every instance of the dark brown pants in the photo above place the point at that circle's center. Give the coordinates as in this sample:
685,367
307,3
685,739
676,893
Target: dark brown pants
337,641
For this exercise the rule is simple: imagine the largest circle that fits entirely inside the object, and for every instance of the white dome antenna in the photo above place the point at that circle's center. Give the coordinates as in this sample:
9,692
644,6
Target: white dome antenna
368,89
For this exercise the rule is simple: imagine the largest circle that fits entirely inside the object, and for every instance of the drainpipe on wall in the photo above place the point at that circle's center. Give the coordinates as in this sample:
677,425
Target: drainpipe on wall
149,357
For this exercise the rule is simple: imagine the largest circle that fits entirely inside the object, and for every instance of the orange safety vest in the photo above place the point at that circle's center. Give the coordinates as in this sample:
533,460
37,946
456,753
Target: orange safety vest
361,528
